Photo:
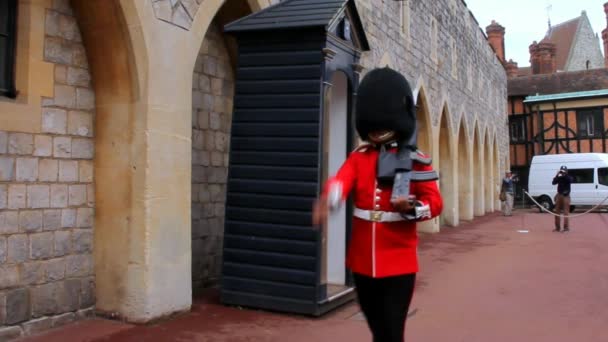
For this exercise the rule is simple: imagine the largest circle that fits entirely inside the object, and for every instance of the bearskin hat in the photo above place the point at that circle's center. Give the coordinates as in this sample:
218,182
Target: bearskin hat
385,102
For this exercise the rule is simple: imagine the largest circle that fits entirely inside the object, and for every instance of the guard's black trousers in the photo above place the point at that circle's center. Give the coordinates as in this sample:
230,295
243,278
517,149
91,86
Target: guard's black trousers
385,303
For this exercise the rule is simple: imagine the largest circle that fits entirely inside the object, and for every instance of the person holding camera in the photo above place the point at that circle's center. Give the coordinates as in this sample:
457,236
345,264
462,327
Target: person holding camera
507,193
562,200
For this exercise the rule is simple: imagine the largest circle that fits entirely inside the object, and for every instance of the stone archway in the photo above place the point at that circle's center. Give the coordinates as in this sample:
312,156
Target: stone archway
478,185
142,70
497,172
465,174
425,141
488,174
447,179
212,102
423,118
115,56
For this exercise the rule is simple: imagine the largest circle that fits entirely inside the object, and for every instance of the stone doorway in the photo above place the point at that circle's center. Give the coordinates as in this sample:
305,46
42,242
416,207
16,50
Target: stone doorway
425,144
465,191
446,171
212,104
488,174
478,184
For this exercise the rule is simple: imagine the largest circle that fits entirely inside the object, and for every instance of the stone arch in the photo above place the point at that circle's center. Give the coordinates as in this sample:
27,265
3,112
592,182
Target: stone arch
116,56
488,174
423,117
204,17
465,172
478,185
425,143
212,101
386,60
447,168
497,170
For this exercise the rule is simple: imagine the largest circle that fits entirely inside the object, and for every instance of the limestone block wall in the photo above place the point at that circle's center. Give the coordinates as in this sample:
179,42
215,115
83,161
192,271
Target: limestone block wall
212,94
440,48
47,195
445,55
436,44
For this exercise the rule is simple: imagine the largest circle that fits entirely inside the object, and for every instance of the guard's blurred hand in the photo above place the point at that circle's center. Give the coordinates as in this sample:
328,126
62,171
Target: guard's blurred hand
319,211
403,204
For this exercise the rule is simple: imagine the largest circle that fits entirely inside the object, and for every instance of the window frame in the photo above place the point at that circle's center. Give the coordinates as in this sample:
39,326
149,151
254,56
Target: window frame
519,122
595,117
10,56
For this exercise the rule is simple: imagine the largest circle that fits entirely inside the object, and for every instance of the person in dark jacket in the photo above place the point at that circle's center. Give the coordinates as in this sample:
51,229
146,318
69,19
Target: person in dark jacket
508,188
562,200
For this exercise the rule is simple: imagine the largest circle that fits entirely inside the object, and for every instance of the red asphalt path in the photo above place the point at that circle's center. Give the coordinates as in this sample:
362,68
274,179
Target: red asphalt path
493,279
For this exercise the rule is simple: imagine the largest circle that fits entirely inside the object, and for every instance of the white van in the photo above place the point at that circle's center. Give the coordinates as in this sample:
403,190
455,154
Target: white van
589,170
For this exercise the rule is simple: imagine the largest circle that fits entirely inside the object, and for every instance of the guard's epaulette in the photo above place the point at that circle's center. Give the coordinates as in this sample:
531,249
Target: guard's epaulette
421,158
363,147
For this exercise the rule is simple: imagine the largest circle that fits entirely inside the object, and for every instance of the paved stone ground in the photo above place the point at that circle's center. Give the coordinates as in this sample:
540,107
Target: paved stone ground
493,279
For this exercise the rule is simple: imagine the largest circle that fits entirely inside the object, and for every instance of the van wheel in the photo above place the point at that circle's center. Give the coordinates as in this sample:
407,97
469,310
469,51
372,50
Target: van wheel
572,208
546,203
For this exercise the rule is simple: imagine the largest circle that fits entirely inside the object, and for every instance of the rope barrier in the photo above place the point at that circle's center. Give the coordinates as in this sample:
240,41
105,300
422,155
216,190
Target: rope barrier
568,216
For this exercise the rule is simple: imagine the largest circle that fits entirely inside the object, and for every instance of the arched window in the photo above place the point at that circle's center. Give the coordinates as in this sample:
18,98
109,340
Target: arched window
8,19
587,64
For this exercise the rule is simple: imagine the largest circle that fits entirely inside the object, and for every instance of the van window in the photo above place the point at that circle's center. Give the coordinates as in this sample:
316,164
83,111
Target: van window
581,175
602,175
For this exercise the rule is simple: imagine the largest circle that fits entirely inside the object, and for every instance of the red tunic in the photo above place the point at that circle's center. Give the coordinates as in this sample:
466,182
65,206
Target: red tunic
381,249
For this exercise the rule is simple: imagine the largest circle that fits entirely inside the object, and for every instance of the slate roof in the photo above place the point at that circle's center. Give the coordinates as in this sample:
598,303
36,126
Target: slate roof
562,35
291,14
524,71
561,82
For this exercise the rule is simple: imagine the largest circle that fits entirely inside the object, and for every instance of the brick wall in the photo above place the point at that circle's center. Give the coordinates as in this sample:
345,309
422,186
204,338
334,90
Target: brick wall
47,196
213,87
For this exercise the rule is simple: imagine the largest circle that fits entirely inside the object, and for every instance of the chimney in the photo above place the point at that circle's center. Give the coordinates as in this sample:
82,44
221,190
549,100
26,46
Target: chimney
542,58
511,68
496,38
605,37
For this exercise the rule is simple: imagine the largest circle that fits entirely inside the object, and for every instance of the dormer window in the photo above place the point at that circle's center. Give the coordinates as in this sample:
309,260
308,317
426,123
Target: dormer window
345,31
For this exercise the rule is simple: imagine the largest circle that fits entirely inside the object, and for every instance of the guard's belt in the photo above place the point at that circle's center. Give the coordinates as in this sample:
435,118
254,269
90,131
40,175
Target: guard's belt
378,216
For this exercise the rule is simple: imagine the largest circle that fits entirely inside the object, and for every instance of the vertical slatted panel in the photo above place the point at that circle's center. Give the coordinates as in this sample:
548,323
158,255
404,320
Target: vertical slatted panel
270,250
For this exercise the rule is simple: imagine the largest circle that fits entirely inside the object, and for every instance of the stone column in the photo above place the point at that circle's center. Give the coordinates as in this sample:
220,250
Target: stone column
143,81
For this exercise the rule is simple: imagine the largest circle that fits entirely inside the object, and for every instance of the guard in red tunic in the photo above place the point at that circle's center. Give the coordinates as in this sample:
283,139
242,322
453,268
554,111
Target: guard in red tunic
393,186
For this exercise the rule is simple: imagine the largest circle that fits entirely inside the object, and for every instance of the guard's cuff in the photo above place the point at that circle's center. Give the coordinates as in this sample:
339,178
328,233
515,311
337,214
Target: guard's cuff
421,211
334,195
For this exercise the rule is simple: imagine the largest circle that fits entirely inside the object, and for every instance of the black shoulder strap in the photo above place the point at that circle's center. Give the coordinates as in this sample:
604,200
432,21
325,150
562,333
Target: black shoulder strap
418,157
424,176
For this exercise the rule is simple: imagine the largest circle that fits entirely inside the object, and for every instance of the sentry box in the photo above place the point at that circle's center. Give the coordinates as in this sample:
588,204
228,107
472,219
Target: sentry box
296,74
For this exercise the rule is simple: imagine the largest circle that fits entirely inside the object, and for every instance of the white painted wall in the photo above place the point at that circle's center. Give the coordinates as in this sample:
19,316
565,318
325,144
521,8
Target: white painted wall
338,134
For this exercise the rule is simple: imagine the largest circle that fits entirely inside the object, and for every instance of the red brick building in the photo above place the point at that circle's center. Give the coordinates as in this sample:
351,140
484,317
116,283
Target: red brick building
560,103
